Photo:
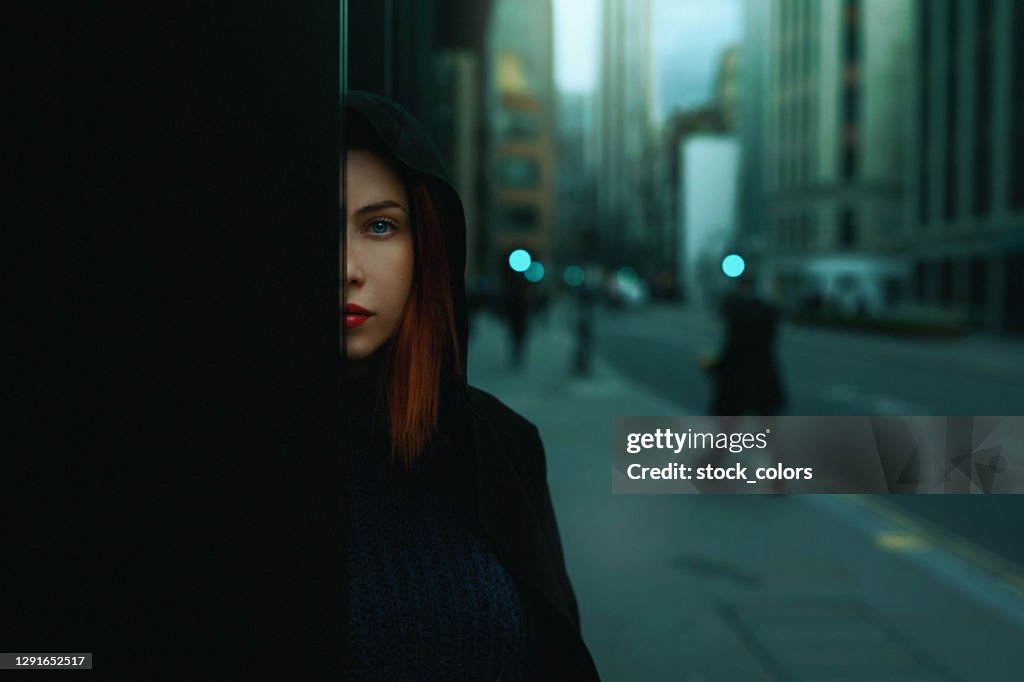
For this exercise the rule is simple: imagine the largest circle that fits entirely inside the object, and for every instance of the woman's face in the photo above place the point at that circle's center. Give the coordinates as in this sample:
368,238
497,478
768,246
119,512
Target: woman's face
379,254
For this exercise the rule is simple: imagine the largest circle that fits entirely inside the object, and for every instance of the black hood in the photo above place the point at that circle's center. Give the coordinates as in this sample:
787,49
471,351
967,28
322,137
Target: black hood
410,147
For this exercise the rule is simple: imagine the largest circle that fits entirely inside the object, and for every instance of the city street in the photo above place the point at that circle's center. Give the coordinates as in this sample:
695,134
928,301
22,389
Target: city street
833,372
687,587
826,371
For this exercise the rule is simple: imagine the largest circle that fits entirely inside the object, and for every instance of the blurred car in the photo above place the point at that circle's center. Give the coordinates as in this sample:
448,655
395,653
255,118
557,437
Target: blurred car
626,292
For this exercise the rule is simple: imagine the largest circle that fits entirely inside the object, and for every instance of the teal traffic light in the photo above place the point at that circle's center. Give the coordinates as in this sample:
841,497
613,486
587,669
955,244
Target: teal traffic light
733,265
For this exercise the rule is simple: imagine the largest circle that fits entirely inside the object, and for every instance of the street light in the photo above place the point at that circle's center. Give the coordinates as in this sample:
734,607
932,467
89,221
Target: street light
733,265
519,260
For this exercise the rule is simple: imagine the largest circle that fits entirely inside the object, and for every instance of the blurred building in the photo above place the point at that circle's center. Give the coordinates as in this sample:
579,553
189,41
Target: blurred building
727,87
458,137
678,241
520,135
751,226
709,165
576,166
965,213
835,104
625,113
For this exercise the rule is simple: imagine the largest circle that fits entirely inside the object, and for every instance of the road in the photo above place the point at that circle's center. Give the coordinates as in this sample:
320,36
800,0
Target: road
826,372
830,372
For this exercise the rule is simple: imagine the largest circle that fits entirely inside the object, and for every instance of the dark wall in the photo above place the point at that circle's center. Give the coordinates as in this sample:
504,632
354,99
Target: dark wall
173,481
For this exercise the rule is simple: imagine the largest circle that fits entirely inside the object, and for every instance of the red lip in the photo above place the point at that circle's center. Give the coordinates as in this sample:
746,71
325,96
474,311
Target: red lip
355,315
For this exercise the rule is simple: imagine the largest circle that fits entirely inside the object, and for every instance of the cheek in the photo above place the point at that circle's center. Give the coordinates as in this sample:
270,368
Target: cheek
391,275
405,270
400,271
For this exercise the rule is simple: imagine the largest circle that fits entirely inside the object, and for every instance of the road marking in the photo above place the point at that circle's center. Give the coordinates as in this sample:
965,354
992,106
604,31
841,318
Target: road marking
964,566
900,542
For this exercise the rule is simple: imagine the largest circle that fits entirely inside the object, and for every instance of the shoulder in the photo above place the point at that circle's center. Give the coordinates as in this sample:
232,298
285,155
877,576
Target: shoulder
490,413
506,438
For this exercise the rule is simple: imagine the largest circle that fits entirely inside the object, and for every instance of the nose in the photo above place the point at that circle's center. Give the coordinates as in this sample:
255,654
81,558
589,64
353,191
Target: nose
354,275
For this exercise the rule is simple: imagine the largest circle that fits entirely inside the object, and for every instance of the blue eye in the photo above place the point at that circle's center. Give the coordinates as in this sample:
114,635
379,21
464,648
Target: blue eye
380,228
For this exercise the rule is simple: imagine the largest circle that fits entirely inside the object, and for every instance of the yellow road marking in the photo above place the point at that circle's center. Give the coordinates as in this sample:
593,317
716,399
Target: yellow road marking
917,534
900,542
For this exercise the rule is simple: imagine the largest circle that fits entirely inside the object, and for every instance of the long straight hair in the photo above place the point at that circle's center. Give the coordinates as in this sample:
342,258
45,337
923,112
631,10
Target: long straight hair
426,343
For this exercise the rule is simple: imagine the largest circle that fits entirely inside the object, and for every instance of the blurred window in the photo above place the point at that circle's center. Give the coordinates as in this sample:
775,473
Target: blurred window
851,90
924,62
1017,113
946,281
949,204
983,103
520,218
1013,311
849,158
920,280
852,40
518,171
892,291
979,281
848,228
523,124
846,284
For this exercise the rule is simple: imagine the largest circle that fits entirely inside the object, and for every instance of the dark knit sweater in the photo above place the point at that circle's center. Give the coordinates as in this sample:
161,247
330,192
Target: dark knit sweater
428,598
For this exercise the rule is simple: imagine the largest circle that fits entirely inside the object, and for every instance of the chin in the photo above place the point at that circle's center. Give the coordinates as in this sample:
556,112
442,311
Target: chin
359,351
352,354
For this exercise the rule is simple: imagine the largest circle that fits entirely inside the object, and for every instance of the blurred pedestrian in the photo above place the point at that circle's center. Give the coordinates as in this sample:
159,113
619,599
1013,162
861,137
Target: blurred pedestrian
745,374
516,308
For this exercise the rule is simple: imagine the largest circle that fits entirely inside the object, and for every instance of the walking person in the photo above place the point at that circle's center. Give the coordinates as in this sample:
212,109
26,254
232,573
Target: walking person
746,372
745,375
516,307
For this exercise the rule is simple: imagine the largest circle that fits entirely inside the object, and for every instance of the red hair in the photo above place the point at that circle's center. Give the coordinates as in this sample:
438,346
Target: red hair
426,339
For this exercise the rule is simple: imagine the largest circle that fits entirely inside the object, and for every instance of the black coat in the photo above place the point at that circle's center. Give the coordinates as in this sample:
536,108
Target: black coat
515,510
746,374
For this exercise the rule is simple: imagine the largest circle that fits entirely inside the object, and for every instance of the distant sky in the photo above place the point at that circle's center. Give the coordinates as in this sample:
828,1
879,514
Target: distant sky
576,24
689,38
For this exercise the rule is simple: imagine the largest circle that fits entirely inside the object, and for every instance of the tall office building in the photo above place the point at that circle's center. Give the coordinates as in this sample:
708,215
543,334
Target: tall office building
836,107
623,130
750,223
575,167
520,107
965,212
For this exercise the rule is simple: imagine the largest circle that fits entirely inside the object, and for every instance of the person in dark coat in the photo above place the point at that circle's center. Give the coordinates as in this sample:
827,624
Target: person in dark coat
746,374
456,569
516,308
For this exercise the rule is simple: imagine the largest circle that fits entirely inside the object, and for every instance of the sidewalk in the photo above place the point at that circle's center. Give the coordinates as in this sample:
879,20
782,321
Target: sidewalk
748,587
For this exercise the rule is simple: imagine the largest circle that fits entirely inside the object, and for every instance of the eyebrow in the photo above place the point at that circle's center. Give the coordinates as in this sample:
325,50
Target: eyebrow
378,205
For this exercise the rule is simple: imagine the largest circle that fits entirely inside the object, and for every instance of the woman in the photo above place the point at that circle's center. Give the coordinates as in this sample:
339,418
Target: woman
456,569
